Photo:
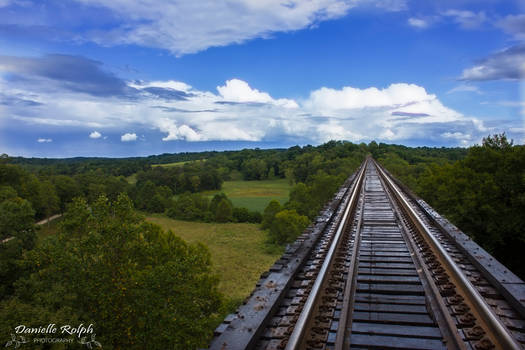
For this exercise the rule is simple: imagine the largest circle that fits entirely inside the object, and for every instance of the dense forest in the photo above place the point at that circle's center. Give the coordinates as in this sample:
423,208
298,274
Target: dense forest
149,277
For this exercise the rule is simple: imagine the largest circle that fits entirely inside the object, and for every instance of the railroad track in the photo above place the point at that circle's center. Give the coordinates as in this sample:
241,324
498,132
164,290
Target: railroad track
380,269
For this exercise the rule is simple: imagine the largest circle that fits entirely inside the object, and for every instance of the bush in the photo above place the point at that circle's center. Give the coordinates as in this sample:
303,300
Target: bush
287,226
244,215
269,213
224,211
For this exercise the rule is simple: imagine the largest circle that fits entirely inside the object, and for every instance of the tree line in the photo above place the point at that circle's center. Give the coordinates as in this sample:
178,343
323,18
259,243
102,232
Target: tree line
482,193
151,279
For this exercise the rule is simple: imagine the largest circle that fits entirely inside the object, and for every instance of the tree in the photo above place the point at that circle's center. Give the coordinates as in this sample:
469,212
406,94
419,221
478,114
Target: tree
141,287
183,208
287,226
224,211
66,189
145,196
245,215
269,213
484,195
17,233
497,141
254,169
216,200
48,199
301,201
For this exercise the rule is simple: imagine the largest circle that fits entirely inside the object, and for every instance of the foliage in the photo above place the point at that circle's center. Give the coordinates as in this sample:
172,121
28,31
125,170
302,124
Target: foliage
141,287
192,177
196,207
287,226
484,195
223,211
238,251
17,233
269,214
244,215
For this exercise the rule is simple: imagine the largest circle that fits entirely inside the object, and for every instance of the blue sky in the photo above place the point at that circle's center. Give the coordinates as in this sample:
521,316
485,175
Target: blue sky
125,78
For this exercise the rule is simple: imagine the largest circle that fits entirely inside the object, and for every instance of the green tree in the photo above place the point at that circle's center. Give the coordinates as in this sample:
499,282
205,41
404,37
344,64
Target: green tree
301,201
216,200
49,202
287,226
269,213
141,287
224,211
245,215
66,189
484,195
17,233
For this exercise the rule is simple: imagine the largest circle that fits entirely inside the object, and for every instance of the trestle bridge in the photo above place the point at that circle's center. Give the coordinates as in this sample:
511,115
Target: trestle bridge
380,269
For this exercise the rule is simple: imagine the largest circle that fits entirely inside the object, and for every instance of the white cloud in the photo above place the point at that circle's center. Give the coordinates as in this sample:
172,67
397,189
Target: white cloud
418,23
43,140
169,84
239,91
185,27
239,112
95,135
236,90
327,99
465,88
387,5
467,19
513,25
398,112
127,137
508,64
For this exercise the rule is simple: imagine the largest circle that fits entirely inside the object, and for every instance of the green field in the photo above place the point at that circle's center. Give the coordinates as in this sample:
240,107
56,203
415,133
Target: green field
254,195
169,165
238,252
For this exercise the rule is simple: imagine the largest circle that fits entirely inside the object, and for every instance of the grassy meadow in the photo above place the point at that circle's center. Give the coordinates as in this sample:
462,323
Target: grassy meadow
169,165
254,195
238,252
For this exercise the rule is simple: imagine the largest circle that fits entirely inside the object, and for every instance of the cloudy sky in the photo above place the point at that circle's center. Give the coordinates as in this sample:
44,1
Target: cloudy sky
140,77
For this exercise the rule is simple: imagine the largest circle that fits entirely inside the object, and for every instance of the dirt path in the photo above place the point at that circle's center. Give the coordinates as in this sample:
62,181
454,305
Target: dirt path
51,218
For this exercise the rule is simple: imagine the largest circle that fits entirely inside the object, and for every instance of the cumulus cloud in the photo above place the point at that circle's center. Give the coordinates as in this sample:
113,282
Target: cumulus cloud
397,112
44,140
237,111
505,64
327,99
236,90
127,137
95,135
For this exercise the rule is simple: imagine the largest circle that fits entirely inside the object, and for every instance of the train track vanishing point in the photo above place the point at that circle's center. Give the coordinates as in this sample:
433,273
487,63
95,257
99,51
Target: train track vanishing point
379,269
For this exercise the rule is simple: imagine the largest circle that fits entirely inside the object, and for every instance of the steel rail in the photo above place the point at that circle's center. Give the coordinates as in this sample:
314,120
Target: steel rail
448,328
499,333
345,321
301,324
